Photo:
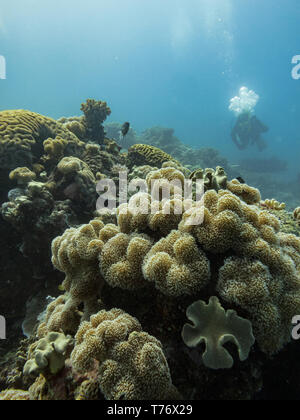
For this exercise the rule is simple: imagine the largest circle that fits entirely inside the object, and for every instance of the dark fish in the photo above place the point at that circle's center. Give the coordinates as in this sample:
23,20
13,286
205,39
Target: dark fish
240,179
125,128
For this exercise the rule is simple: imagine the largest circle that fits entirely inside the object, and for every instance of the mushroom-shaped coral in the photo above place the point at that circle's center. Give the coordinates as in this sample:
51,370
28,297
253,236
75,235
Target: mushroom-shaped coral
176,265
49,354
215,327
248,194
22,176
76,254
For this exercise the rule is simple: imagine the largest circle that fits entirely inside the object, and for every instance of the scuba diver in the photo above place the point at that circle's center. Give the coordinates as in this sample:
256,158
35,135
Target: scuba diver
247,131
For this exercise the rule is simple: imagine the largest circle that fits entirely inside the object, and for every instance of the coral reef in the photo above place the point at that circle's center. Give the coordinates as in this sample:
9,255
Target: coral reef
22,134
49,353
273,204
95,113
216,327
115,327
132,363
213,179
142,154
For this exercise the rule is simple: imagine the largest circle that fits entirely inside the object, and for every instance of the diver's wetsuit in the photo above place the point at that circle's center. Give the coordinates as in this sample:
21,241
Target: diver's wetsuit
247,130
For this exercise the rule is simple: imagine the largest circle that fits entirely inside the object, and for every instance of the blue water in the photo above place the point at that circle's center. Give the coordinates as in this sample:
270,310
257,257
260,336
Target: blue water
174,63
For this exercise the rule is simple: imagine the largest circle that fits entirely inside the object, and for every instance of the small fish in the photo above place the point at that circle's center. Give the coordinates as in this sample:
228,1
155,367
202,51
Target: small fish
124,130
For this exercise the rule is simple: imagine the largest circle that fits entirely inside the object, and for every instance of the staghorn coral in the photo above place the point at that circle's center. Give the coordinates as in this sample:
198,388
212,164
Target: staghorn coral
216,327
48,354
95,113
22,134
143,154
177,266
132,363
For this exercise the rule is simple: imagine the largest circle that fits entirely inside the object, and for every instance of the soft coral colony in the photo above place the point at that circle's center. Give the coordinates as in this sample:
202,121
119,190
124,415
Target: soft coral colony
121,327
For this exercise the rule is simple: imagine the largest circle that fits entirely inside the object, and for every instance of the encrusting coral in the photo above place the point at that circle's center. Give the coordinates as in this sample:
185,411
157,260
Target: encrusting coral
216,327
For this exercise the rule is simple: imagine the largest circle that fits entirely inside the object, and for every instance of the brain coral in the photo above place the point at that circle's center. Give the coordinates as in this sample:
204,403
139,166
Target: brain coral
22,134
143,154
132,363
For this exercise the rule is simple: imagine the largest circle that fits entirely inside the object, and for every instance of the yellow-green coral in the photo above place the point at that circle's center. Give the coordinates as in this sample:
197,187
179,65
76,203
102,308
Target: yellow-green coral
132,363
22,175
216,327
248,194
21,131
122,258
273,204
176,265
143,154
14,395
54,148
48,353
76,254
269,295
